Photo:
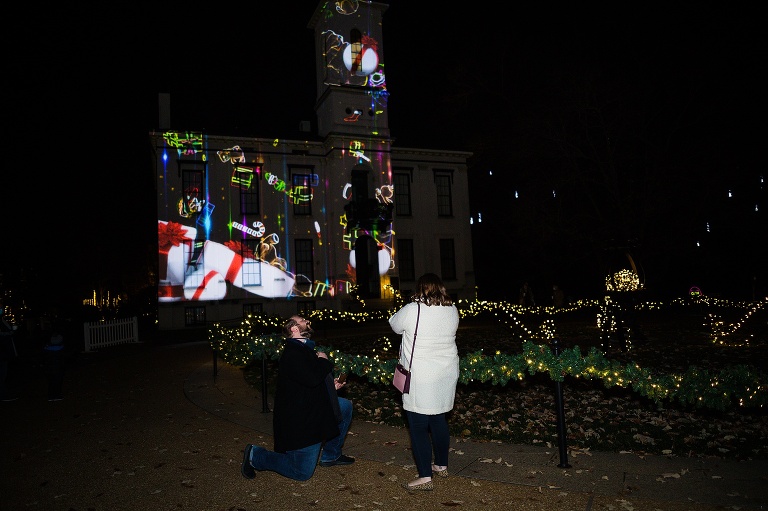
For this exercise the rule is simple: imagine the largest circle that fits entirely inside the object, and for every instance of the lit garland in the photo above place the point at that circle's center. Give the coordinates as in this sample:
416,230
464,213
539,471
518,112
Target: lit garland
736,385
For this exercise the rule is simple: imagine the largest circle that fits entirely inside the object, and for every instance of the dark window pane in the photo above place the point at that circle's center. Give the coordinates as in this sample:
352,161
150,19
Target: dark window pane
305,267
194,316
444,200
405,257
447,260
402,183
247,180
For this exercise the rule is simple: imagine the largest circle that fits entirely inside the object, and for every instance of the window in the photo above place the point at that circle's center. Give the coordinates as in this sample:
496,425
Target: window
252,308
304,260
405,258
192,202
443,189
194,316
247,180
251,270
302,308
402,183
359,184
447,260
301,192
195,274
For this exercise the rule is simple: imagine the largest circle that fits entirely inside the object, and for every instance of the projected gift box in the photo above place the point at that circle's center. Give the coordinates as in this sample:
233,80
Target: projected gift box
200,270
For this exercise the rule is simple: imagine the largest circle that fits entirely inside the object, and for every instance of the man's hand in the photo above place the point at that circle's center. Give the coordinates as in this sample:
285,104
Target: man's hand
322,354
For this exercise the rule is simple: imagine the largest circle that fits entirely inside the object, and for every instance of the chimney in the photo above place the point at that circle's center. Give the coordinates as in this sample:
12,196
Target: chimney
164,102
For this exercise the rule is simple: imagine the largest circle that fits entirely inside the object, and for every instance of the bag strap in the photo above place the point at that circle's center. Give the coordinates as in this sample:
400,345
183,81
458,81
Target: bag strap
415,330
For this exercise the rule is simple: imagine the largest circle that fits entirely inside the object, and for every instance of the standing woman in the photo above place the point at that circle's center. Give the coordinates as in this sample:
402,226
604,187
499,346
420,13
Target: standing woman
434,374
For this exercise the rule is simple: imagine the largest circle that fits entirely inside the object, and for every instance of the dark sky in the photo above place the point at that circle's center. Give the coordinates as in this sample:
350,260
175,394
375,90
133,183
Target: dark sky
515,85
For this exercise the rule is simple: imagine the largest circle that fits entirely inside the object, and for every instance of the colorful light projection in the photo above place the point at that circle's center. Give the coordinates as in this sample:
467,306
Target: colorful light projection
186,145
347,7
194,269
361,57
233,154
384,196
197,266
354,62
297,194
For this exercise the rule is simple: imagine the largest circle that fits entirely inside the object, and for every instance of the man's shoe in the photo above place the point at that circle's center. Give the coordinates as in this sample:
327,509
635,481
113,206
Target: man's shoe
341,460
246,468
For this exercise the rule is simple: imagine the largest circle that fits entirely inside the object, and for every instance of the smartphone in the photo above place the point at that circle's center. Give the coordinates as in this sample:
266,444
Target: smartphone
342,377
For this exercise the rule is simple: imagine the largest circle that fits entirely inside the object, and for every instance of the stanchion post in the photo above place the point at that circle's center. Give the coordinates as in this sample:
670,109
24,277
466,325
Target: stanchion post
215,363
561,437
264,404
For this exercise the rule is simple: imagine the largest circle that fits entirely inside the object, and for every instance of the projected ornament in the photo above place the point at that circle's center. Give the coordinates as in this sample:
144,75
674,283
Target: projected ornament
360,58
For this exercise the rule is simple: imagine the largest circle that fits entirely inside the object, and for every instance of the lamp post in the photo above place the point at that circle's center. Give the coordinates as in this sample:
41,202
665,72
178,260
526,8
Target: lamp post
561,439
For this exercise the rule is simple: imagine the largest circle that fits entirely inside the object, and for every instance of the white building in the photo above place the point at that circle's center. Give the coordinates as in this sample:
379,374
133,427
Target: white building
337,222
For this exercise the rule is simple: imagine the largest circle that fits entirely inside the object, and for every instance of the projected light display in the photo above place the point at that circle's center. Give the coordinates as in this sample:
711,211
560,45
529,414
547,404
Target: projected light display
232,224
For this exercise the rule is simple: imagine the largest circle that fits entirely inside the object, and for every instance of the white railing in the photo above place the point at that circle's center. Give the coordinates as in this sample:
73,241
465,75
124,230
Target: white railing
101,334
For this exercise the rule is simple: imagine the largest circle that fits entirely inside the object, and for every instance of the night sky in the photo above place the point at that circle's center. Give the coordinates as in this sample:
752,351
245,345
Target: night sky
594,131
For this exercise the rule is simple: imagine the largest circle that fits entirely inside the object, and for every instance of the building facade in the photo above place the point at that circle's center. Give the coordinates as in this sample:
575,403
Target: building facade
341,220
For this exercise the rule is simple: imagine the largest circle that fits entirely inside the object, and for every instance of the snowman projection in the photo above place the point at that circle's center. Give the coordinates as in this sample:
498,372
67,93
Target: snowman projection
382,256
192,269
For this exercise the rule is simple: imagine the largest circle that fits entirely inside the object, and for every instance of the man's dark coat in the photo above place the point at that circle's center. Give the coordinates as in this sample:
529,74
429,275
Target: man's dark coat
304,413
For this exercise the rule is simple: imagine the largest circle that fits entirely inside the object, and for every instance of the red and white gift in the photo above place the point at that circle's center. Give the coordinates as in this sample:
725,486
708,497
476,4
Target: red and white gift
175,252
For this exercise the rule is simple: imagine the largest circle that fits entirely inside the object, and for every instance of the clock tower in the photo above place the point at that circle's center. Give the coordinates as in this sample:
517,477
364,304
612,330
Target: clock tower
351,82
352,121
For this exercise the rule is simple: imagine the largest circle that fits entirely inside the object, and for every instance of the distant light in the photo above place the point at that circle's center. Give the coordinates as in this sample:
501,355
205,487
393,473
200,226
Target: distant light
708,229
554,195
479,217
755,208
698,244
490,172
516,196
471,220
730,193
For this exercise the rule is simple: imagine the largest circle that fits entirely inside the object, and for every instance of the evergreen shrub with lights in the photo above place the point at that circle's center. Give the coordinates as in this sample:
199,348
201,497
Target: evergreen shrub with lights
731,386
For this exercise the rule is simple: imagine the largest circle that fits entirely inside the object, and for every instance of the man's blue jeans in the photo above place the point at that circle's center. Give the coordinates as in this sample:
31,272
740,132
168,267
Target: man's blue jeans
300,464
332,447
